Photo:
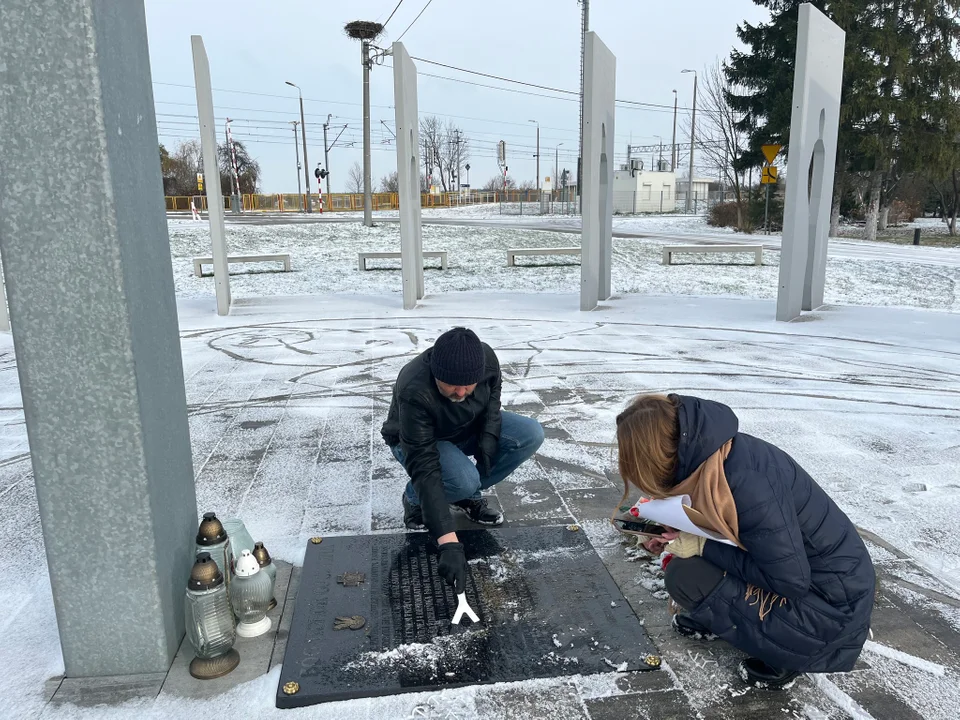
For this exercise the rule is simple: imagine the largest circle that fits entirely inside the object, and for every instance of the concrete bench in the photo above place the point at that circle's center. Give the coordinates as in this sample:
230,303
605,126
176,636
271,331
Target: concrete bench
512,254
198,263
363,257
670,250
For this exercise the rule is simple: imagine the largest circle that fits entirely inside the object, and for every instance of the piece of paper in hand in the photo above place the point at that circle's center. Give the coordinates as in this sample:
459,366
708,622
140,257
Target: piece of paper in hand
670,512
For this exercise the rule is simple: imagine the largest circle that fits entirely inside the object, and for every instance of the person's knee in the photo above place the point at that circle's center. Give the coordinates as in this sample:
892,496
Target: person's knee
532,435
690,580
464,483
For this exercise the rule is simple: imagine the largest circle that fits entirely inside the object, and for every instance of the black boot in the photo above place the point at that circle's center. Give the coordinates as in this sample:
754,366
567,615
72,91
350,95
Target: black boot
412,515
758,674
478,512
688,628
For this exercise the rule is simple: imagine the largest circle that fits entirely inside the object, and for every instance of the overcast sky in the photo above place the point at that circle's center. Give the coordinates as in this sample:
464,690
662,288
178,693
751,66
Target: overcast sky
254,47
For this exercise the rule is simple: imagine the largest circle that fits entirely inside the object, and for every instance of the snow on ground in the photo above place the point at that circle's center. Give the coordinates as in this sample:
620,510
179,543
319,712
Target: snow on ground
287,396
324,257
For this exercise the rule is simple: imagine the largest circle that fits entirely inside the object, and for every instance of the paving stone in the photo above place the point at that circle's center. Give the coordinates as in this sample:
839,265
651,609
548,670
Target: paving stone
112,690
559,702
663,705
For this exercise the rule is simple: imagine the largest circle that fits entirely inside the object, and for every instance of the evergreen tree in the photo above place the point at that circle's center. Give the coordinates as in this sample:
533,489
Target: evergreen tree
900,87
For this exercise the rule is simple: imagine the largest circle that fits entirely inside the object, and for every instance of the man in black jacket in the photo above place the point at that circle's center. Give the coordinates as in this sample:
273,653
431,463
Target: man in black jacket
446,407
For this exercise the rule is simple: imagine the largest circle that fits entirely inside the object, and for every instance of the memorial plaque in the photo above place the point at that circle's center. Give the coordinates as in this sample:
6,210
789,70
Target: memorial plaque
547,606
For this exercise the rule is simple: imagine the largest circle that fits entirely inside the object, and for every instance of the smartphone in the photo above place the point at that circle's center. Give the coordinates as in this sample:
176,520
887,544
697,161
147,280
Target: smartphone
639,527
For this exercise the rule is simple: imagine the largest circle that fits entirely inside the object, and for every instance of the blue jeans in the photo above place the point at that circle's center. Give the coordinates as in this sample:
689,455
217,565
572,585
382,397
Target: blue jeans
519,439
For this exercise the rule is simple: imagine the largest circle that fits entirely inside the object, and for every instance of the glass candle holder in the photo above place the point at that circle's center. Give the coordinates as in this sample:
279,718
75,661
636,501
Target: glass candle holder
209,621
267,566
250,595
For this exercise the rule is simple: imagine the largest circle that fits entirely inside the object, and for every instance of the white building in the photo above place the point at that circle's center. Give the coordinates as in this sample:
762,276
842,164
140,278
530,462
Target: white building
701,188
642,191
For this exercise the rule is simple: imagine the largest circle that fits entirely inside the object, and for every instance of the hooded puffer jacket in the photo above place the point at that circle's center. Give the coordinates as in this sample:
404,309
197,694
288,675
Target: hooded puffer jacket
804,565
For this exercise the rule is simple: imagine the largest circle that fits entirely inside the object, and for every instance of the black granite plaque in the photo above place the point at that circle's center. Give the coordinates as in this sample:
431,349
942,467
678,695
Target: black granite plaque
547,606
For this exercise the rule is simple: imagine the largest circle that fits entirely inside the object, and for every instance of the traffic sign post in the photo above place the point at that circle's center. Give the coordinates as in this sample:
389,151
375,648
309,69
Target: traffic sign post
769,176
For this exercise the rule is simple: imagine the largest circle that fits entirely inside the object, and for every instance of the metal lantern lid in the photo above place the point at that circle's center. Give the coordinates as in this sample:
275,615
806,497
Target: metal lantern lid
205,574
211,531
261,554
247,565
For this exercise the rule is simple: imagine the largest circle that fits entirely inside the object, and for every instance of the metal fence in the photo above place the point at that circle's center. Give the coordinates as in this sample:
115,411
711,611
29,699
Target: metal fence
512,202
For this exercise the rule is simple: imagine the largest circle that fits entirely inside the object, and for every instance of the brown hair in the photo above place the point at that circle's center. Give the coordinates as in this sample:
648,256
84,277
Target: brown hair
647,436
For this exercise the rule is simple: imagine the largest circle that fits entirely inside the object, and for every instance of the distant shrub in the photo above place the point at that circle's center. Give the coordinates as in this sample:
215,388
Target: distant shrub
723,215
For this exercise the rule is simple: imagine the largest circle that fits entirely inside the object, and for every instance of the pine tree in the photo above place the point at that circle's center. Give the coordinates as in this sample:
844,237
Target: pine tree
900,87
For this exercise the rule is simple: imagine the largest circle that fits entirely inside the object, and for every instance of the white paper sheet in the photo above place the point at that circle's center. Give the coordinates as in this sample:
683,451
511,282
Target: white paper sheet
669,511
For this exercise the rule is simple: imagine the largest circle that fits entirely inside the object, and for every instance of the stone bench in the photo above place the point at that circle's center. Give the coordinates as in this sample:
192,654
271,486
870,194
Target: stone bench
512,254
198,263
364,256
670,250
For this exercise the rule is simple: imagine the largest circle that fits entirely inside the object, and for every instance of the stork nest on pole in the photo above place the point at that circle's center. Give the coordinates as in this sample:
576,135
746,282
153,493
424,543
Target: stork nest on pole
363,30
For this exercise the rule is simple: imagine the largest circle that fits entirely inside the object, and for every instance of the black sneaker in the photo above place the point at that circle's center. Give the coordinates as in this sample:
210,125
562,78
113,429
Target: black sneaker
479,513
412,515
760,675
688,628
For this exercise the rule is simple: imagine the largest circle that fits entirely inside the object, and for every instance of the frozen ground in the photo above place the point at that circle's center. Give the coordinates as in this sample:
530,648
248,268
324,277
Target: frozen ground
286,398
324,256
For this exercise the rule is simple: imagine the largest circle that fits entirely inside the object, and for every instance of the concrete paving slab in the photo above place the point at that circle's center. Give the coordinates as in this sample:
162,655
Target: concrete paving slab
112,690
557,702
664,705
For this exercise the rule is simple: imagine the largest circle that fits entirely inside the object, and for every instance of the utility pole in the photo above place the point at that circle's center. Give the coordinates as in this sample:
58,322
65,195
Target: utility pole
538,156
556,167
693,130
585,28
326,154
673,146
367,198
456,142
303,135
296,145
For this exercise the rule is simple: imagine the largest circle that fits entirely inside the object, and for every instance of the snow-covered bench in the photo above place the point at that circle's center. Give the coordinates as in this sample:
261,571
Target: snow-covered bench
364,256
670,250
512,254
198,263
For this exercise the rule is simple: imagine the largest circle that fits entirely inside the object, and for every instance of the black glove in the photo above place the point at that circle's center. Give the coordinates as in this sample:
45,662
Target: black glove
453,566
489,445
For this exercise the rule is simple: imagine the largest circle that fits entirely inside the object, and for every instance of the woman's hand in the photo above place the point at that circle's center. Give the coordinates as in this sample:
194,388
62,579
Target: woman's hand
655,545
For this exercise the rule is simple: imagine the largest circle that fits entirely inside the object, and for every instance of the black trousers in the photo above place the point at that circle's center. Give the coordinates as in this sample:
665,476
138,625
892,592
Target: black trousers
690,580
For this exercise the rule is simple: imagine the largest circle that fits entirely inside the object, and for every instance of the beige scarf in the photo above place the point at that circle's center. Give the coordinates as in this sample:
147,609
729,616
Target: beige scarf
713,507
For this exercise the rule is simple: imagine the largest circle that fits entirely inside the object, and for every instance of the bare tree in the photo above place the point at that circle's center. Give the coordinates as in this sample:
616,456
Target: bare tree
496,184
390,183
718,141
445,150
355,178
527,185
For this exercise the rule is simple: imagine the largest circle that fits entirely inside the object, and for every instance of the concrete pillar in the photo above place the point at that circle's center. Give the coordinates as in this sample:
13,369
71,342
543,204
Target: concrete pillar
408,174
812,151
211,173
90,286
600,85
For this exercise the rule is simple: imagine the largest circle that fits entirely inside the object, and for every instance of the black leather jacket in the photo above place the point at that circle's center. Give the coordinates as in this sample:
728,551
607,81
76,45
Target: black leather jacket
420,416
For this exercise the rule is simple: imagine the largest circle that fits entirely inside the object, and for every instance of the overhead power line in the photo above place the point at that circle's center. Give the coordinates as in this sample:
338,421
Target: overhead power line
387,22
429,2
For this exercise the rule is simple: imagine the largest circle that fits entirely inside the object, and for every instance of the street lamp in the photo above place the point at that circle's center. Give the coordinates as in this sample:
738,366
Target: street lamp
303,133
693,127
537,155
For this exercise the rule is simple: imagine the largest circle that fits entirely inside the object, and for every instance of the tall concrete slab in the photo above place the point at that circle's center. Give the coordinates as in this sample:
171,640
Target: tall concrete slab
211,174
600,89
408,174
90,287
812,149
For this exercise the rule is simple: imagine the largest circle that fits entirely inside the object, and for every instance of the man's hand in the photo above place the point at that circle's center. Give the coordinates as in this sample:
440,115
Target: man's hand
488,445
453,566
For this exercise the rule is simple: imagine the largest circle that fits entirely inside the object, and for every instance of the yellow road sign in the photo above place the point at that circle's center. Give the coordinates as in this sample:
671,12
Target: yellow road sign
770,175
770,152
200,182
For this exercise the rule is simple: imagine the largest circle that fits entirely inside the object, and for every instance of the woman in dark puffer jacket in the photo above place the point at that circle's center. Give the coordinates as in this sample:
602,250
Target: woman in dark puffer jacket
796,591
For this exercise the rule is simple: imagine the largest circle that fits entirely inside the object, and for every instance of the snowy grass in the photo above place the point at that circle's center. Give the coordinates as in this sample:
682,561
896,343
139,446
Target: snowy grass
324,257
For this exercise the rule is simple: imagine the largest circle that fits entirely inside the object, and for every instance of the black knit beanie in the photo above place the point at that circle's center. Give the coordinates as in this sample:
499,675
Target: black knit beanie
458,358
